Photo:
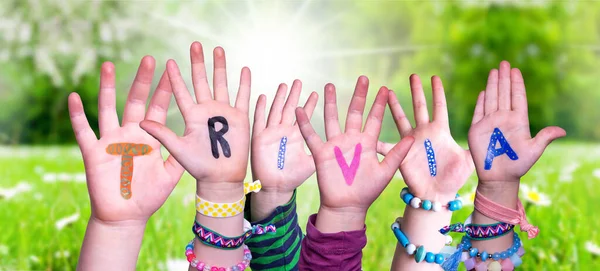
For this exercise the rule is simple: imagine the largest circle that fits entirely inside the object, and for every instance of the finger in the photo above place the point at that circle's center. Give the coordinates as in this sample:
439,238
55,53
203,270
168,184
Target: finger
313,141
173,168
332,124
220,76
311,104
182,95
394,158
259,115
199,78
518,94
419,101
546,136
288,116
504,86
83,132
384,148
479,108
242,100
164,135
491,93
357,105
277,106
159,104
107,112
375,117
135,107
402,123
440,109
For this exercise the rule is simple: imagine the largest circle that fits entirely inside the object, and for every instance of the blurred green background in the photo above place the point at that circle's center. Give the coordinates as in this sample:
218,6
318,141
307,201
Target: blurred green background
51,48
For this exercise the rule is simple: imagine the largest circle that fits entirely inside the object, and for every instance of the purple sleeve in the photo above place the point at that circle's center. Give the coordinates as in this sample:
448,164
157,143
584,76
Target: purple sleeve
331,251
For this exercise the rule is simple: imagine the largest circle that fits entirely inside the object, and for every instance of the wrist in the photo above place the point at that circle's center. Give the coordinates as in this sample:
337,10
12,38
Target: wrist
503,193
334,220
118,226
220,192
264,203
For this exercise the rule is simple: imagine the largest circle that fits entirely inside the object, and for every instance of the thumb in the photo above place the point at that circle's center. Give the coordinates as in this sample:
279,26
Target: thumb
163,134
546,136
384,148
394,158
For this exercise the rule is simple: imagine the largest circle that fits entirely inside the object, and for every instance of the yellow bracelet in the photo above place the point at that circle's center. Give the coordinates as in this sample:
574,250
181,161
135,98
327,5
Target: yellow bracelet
213,209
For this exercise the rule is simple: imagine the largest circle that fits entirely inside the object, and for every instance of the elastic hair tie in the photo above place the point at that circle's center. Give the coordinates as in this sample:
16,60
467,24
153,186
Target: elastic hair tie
216,240
507,215
213,209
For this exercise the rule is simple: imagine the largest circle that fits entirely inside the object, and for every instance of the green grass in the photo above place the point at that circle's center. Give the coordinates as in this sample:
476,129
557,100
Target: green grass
27,221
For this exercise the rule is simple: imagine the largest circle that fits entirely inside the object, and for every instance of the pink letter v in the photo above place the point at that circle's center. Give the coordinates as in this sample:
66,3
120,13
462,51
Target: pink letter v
349,172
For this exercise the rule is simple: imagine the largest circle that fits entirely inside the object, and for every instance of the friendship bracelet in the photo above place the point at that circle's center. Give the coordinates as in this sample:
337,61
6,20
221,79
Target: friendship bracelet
479,231
511,257
216,240
427,205
507,215
201,266
213,209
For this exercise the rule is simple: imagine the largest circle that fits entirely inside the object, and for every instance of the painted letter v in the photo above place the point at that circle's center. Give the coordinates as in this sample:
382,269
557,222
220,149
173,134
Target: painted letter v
349,172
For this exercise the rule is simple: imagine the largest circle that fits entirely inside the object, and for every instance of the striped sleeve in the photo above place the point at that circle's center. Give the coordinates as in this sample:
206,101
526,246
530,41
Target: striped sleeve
279,251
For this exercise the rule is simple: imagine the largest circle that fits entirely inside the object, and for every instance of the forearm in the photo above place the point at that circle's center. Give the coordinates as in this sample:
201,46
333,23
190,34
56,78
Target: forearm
111,246
422,229
226,226
505,194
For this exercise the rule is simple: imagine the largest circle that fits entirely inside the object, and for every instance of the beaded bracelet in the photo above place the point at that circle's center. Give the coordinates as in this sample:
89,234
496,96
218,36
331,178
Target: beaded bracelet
419,252
479,232
510,258
213,239
213,209
427,205
201,266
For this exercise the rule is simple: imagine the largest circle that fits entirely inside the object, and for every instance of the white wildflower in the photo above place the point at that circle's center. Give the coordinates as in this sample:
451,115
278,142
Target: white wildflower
61,223
62,254
592,248
8,193
534,196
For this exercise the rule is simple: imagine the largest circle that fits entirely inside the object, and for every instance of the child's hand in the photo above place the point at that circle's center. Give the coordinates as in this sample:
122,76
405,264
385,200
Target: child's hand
279,160
153,179
436,167
505,154
214,147
349,173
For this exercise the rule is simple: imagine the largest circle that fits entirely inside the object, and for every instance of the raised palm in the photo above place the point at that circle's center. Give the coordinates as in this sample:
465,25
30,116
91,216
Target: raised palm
153,178
195,150
286,173
503,105
453,165
371,176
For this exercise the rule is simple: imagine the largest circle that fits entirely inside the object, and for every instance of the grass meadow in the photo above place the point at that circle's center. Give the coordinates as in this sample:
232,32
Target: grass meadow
44,208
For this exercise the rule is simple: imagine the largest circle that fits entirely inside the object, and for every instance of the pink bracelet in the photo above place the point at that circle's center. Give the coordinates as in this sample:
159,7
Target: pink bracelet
506,215
201,266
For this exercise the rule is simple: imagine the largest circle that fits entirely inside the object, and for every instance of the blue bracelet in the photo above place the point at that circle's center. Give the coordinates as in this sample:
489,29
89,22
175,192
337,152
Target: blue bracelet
474,252
427,205
419,252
